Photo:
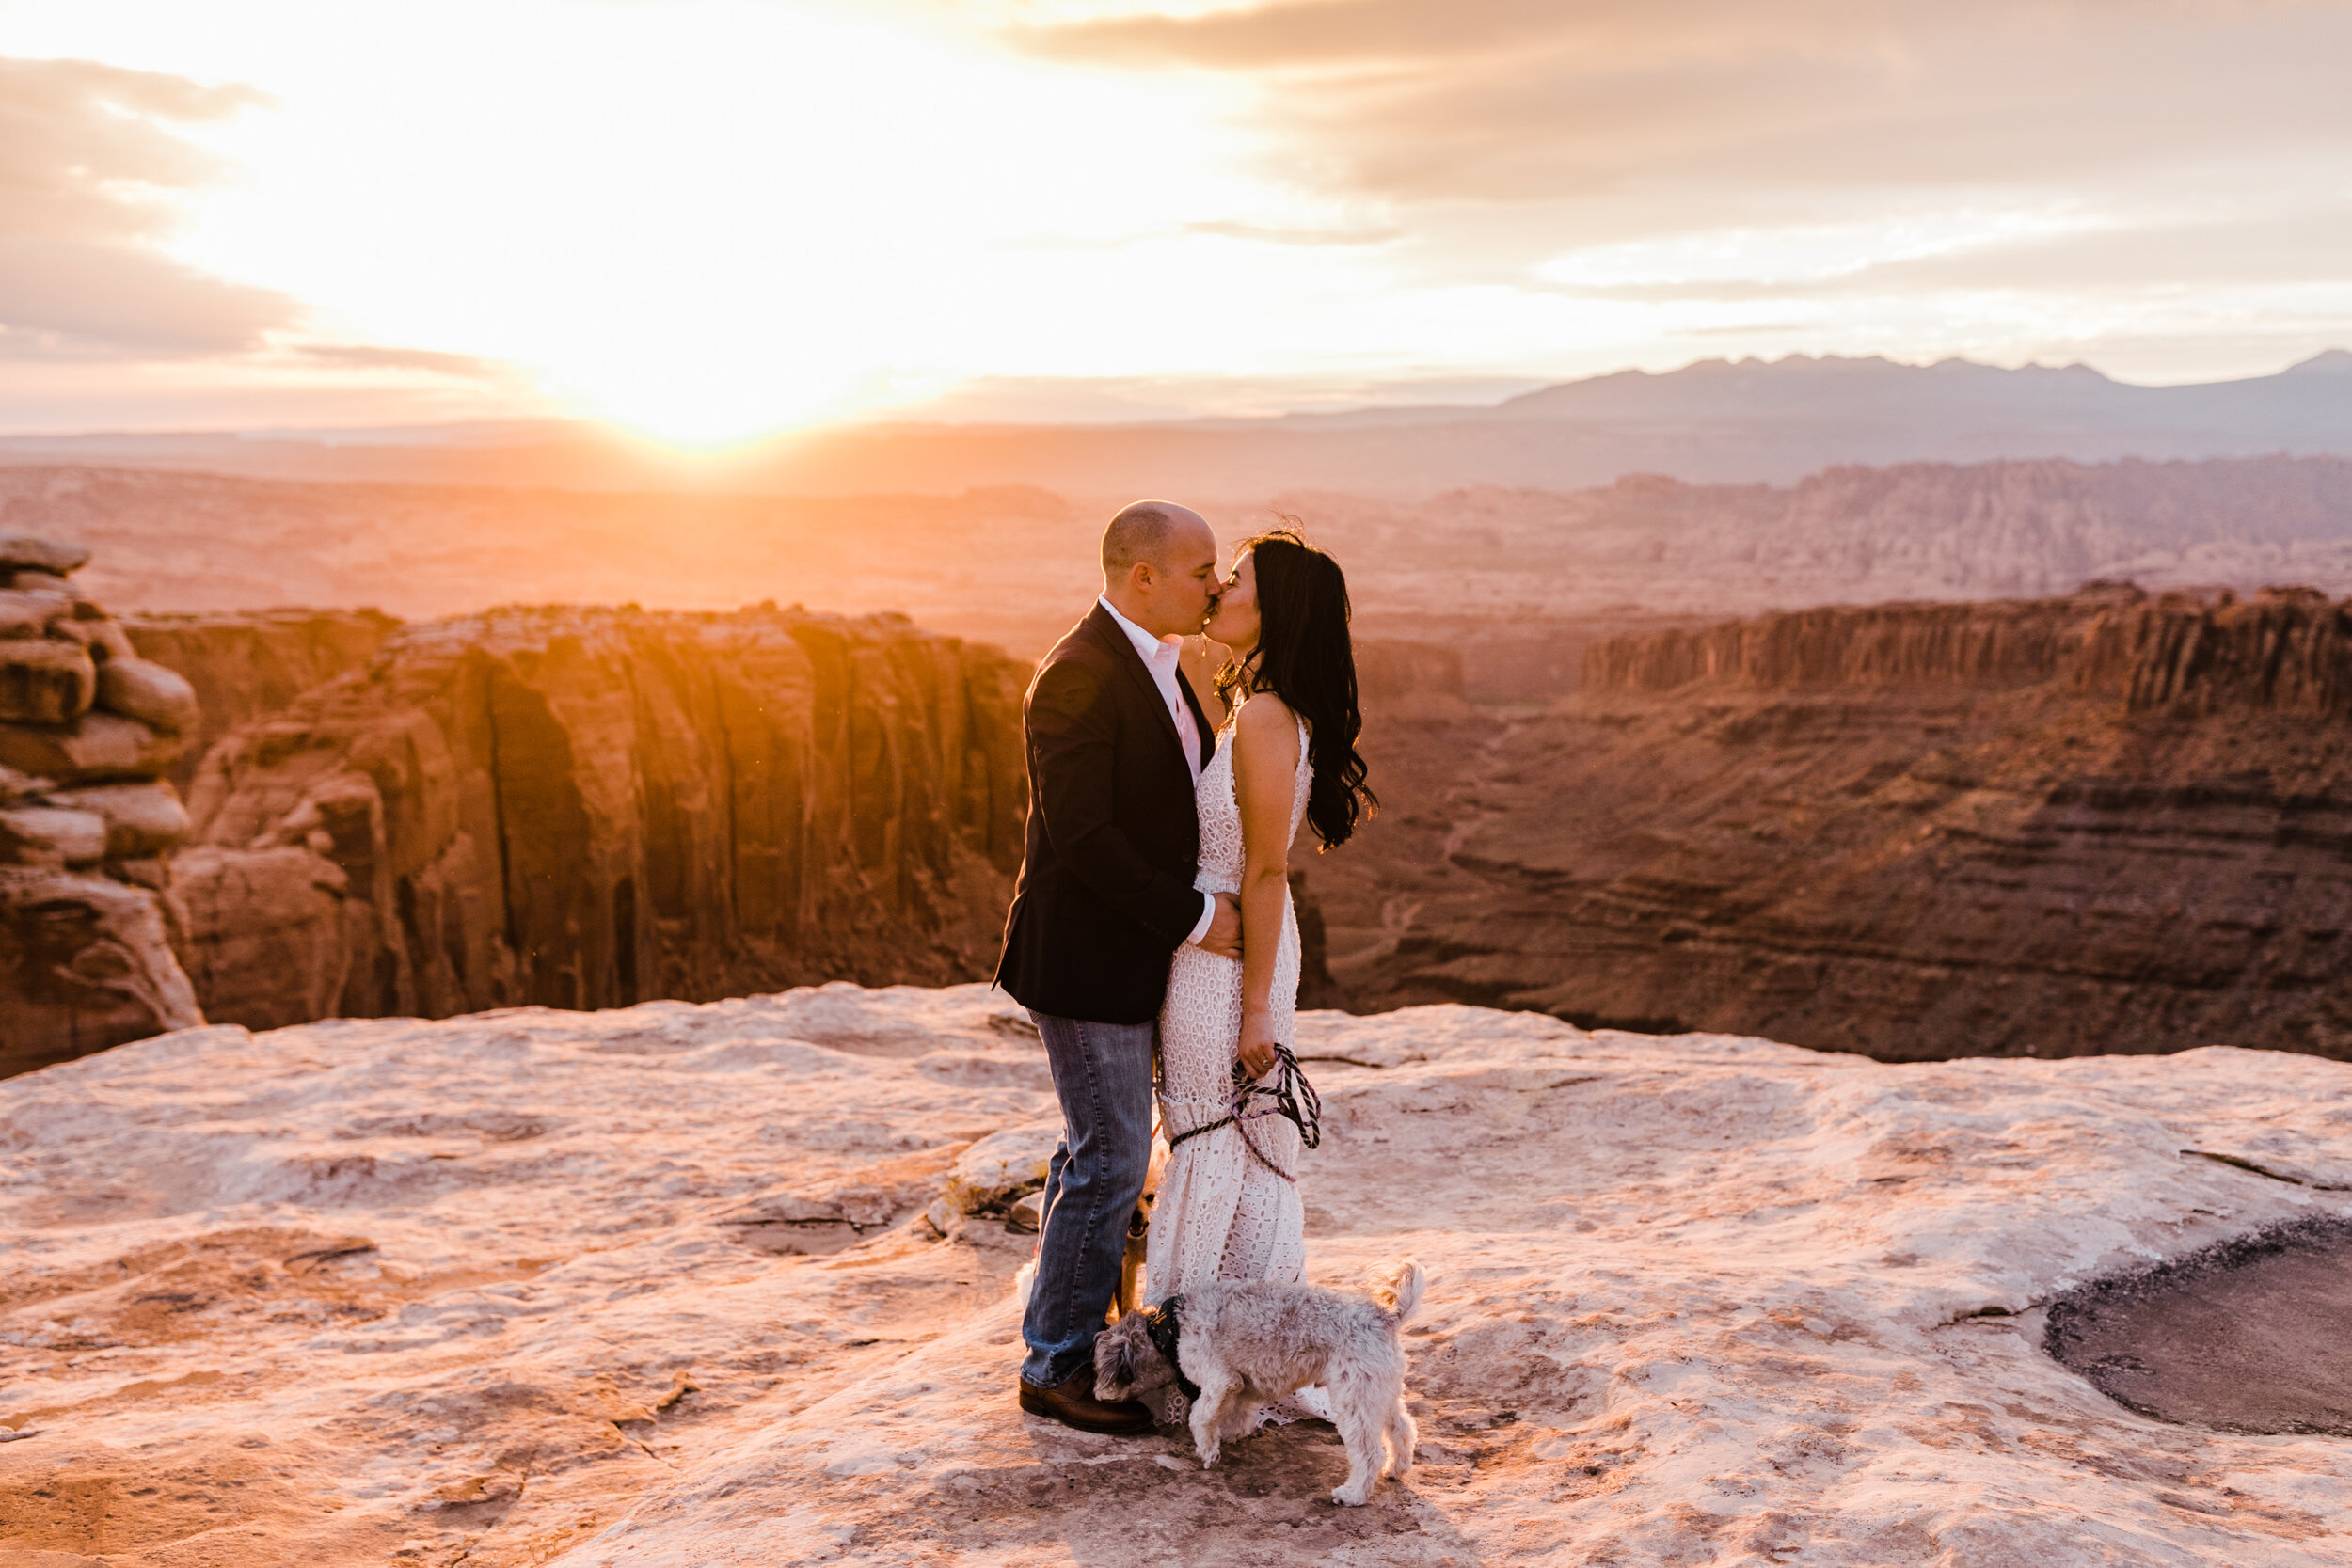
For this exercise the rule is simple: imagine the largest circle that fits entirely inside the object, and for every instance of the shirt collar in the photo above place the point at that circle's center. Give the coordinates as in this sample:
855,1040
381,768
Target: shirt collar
1149,648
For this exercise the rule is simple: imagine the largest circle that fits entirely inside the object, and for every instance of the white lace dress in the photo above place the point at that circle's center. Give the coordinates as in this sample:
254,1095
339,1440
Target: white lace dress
1220,1213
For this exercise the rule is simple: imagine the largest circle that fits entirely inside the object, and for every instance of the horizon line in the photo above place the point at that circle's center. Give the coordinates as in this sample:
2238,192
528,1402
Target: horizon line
903,416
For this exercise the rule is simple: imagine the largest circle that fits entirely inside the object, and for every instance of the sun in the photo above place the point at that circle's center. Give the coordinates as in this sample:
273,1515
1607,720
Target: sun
711,407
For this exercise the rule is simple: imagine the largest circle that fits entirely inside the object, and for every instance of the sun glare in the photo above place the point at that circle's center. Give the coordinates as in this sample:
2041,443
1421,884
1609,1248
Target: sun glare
708,221
747,217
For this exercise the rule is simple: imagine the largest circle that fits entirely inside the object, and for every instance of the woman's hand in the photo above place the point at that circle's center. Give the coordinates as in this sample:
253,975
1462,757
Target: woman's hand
1258,1040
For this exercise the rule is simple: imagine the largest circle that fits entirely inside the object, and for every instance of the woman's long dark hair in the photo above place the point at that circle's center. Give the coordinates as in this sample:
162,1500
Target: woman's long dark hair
1305,657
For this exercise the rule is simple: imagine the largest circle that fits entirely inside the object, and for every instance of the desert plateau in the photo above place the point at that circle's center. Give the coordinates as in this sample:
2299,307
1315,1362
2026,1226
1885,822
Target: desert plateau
732,1283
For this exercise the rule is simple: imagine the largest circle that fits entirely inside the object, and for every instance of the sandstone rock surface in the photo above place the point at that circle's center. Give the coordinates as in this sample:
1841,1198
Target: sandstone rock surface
49,835
652,1287
244,667
583,807
142,819
85,916
2100,823
95,747
49,681
143,689
1003,1165
24,552
26,615
86,962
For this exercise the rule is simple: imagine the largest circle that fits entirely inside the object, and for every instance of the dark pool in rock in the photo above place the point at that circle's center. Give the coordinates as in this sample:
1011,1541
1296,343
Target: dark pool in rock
2254,1334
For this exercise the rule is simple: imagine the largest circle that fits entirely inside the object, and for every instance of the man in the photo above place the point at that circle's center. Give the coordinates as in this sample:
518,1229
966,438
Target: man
1114,739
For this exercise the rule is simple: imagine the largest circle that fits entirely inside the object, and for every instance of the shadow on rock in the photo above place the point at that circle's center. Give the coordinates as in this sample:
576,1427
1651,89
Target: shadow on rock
1266,1499
2246,1336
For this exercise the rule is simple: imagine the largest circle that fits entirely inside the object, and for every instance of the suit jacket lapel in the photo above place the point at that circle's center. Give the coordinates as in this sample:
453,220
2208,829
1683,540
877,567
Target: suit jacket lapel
1107,632
1199,717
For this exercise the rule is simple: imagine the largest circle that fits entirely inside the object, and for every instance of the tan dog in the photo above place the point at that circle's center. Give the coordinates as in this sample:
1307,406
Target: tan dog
1138,1235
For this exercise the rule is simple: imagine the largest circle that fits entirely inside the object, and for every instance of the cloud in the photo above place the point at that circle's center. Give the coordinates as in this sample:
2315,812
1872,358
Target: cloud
2218,252
1520,99
2157,180
91,182
71,299
2226,250
431,361
1270,234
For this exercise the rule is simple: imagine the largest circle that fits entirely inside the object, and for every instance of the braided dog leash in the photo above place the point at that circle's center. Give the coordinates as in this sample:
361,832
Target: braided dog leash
1292,1097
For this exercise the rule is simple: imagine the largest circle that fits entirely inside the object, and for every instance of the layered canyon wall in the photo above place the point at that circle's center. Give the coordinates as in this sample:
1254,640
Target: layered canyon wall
2102,823
2285,649
251,665
581,808
89,730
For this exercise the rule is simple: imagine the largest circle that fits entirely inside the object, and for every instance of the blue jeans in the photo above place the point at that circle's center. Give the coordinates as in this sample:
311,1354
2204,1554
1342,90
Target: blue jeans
1103,1074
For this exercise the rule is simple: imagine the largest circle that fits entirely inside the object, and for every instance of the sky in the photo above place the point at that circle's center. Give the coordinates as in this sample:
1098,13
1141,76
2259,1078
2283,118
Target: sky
710,220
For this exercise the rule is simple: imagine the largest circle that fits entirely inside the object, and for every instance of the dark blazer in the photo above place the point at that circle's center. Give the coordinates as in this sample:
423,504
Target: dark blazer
1105,895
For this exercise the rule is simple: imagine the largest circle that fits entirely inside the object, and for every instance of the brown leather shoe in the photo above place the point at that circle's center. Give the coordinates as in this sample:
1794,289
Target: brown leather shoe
1073,1404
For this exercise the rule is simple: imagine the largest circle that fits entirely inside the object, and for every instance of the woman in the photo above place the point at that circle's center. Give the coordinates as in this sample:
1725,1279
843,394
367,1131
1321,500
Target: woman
1228,1205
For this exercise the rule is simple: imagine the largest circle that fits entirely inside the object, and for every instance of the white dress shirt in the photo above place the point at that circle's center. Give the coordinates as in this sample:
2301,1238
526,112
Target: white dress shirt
1160,655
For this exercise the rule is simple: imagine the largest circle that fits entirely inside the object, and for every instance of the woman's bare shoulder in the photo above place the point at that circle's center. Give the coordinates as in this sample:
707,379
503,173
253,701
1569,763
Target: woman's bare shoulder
1265,714
1264,726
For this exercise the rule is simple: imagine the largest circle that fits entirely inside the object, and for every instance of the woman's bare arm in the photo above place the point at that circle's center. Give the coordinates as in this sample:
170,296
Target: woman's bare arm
1266,770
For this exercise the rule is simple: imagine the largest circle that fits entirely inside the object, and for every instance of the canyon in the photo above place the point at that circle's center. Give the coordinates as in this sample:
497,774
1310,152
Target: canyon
673,1285
574,807
587,808
1971,822
2105,822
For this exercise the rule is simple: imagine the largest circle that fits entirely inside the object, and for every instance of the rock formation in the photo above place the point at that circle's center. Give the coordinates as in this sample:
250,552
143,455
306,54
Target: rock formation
250,666
662,1287
583,808
88,731
1410,683
2288,650
1917,531
2103,823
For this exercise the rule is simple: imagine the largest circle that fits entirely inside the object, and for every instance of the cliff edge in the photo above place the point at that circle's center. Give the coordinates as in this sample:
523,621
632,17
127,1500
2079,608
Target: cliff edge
588,807
680,1285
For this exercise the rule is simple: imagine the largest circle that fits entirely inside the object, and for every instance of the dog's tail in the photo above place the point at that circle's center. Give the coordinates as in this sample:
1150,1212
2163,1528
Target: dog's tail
1398,1290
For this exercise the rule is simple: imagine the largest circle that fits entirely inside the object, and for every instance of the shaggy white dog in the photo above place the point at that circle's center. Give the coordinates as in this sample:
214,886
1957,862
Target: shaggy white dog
1247,1345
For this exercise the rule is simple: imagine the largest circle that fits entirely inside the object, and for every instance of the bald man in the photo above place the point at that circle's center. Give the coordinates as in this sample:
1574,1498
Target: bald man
1114,738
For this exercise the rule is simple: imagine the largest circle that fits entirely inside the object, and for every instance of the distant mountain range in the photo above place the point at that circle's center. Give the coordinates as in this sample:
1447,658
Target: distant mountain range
1714,421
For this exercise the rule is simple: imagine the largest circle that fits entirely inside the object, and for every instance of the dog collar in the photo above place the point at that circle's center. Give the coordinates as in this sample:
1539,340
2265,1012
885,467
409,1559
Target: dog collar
1161,1323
